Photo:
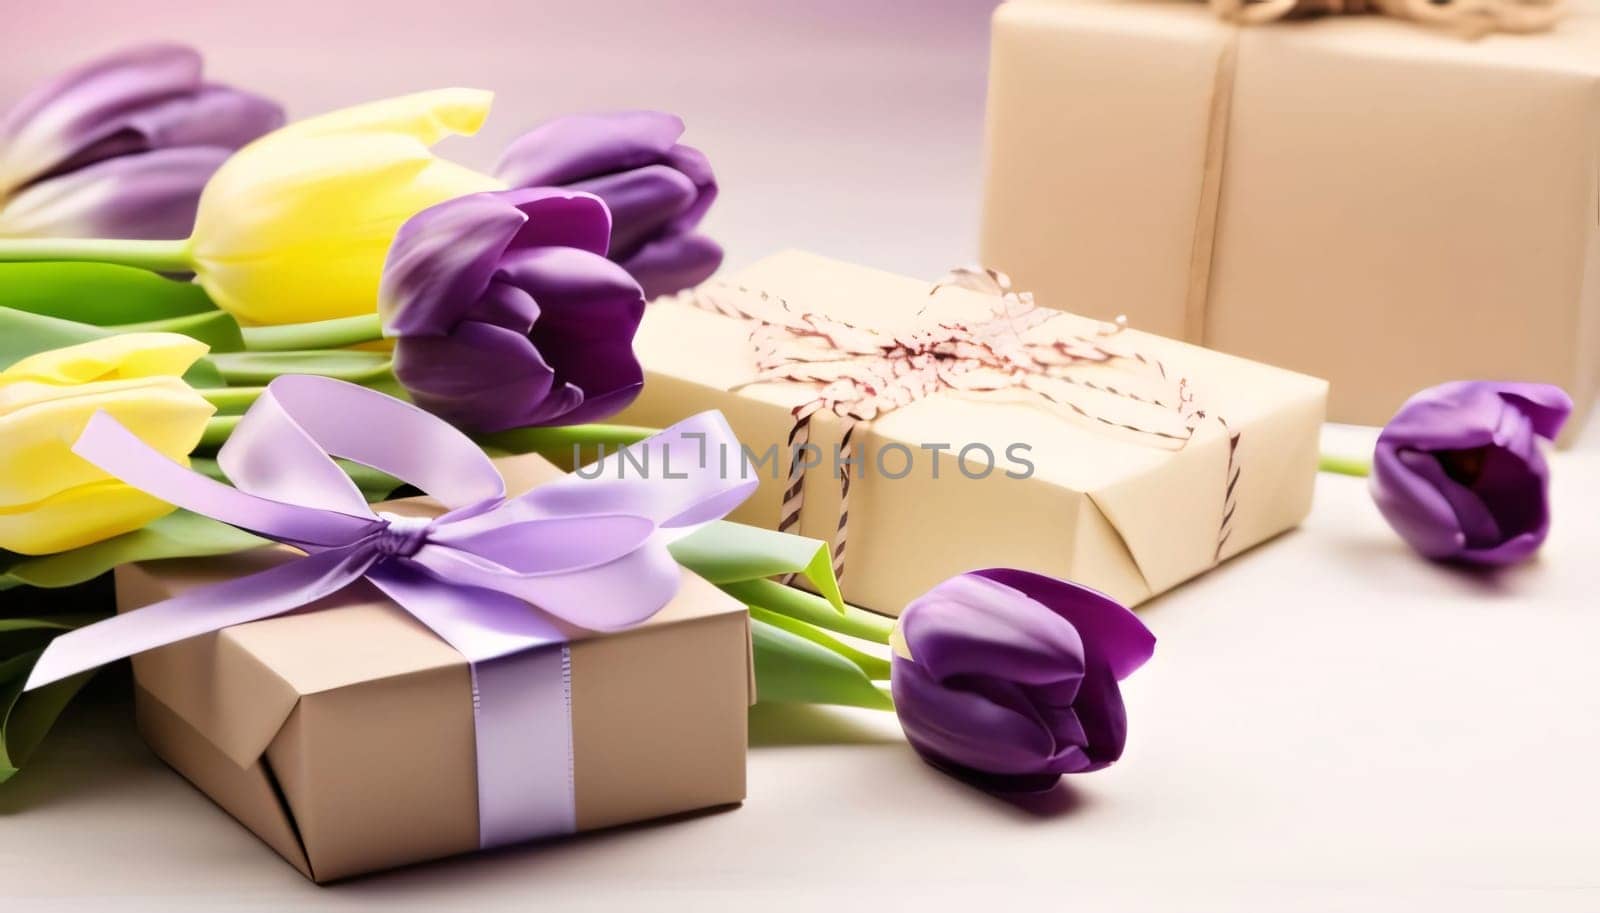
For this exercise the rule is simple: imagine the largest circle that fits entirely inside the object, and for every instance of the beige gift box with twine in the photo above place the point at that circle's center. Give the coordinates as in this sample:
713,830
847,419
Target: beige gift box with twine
1151,460
1371,200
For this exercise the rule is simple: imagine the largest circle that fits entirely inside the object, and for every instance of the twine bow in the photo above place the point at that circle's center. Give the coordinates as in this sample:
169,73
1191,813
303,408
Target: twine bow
861,373
1471,18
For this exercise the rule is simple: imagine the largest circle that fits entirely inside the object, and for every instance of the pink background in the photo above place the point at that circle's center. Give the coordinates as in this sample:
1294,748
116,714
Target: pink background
848,127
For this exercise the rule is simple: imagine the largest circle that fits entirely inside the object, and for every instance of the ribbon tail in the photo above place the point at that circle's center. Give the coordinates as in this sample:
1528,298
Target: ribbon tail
479,622
120,453
202,611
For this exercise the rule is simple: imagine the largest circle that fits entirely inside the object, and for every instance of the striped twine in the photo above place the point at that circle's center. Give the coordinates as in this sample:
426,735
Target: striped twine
863,373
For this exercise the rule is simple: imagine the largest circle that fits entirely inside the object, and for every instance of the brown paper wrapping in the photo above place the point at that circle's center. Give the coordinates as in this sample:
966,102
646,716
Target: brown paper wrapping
1101,508
343,735
1357,197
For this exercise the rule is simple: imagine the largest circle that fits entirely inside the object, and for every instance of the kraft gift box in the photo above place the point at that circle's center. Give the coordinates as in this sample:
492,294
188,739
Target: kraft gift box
342,735
1365,199
1126,511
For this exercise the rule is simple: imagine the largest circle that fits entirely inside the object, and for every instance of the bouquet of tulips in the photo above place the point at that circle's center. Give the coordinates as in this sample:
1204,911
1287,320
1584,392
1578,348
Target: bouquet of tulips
168,247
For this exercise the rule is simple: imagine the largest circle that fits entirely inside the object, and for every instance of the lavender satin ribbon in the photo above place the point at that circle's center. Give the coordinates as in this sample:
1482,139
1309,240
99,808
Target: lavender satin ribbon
588,551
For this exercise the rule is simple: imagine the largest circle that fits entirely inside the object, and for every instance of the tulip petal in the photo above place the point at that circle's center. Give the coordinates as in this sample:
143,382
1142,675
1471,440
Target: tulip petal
150,195
1102,715
965,727
59,120
561,217
426,117
441,263
643,201
448,375
76,517
1546,405
673,263
1415,509
1107,628
589,309
581,146
697,168
122,357
970,625
1472,516
211,115
1463,414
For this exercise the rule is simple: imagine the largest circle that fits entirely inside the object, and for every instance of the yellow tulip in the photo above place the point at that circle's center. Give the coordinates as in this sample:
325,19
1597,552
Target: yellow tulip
295,226
50,499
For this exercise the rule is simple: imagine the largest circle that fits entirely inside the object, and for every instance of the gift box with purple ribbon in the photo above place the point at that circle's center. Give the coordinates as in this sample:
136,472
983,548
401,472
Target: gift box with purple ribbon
380,688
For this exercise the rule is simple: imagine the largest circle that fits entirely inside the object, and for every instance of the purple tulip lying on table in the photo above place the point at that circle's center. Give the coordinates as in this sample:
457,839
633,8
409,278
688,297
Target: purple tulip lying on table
1008,679
658,190
1459,471
121,147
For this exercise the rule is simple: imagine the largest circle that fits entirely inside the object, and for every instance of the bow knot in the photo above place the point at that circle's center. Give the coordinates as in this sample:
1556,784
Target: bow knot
402,537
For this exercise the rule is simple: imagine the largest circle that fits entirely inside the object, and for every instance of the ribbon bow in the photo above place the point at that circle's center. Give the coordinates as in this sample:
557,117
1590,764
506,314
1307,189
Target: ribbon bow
487,577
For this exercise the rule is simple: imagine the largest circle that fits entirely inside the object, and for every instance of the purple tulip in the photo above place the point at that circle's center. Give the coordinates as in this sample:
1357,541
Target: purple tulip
508,313
657,189
1459,474
1011,678
121,147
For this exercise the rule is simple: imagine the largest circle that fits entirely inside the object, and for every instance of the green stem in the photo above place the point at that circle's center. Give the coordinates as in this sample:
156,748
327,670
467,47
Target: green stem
231,399
323,334
563,438
1345,466
217,431
875,668
160,256
248,369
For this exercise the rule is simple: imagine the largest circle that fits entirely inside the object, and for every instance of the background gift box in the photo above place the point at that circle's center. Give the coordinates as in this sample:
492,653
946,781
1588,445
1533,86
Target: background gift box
1362,198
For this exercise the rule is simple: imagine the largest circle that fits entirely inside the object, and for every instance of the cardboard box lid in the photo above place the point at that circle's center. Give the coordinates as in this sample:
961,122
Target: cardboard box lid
240,685
1382,191
1143,492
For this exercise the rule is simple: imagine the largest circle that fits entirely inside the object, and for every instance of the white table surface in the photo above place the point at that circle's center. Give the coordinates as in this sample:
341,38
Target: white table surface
1329,723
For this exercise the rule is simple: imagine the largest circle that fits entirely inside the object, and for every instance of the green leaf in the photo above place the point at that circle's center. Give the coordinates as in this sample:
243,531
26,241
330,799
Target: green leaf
257,368
875,667
727,552
796,670
810,609
214,328
98,294
23,333
560,444
177,535
25,718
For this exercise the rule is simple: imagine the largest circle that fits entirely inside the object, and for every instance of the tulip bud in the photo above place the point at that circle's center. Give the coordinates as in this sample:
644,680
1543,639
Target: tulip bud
658,190
295,227
50,499
1008,679
1459,474
509,315
122,146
